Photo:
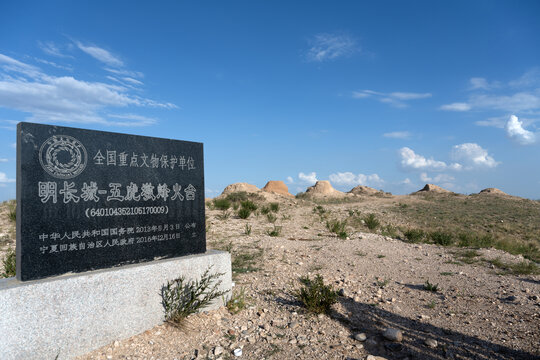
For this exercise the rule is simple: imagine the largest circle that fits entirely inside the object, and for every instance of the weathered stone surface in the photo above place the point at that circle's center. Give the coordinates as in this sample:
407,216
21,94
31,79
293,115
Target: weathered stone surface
324,188
90,199
70,315
433,189
277,187
240,187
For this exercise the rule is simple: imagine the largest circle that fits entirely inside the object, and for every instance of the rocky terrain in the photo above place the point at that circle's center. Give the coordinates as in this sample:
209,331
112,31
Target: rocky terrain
486,304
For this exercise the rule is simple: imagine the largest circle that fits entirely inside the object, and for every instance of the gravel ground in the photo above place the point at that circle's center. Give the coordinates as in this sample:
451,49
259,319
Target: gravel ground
476,314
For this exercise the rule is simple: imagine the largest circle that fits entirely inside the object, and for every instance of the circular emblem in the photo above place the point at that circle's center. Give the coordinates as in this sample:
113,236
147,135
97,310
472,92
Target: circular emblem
63,156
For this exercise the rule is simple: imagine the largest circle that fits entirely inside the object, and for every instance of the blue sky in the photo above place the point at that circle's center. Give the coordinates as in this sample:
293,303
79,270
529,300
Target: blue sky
389,94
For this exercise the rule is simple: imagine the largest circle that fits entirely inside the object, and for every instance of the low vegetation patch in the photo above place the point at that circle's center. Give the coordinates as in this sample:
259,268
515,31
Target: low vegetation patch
371,221
521,268
181,298
221,204
431,287
9,263
276,231
337,227
316,297
238,301
414,235
244,213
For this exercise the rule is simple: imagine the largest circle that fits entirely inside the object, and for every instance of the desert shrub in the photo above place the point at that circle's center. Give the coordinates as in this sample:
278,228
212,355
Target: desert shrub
390,231
337,227
475,240
247,229
9,263
414,235
237,196
276,231
224,215
271,218
12,212
319,210
222,204
431,287
442,238
181,298
371,221
235,206
248,204
317,297
274,207
265,210
237,302
244,213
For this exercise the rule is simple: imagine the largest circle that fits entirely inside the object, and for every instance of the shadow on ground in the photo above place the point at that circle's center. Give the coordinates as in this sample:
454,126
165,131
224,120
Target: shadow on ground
373,321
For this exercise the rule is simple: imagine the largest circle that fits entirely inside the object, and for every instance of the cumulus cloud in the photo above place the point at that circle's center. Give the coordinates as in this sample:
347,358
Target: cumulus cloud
326,47
290,180
310,178
514,130
473,156
458,106
413,161
350,179
398,135
396,99
100,54
26,88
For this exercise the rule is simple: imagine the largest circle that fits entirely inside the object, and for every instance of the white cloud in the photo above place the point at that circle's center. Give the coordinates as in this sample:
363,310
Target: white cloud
478,83
437,179
330,46
350,179
51,48
398,135
498,122
396,99
66,99
290,180
310,178
3,160
5,179
515,130
101,54
458,106
411,160
528,79
473,156
406,181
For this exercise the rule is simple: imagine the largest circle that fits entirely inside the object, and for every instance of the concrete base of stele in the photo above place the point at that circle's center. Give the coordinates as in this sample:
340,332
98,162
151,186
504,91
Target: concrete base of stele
71,315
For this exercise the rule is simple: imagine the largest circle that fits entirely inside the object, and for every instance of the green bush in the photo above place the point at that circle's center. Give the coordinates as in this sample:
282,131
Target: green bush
317,297
247,229
244,213
265,210
414,235
237,302
9,263
371,221
237,196
222,204
274,207
276,231
337,227
271,218
181,298
431,287
224,215
12,214
248,204
442,238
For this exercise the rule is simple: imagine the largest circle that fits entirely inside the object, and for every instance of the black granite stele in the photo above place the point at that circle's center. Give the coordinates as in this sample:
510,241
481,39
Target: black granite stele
89,200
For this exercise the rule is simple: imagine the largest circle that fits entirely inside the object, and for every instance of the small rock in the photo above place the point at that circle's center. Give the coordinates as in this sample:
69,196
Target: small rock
237,352
360,337
293,325
357,298
116,343
218,350
431,343
393,334
371,357
342,292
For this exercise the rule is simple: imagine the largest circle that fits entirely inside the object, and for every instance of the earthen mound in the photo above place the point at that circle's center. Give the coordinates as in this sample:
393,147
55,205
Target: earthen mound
364,190
433,189
494,191
238,187
323,188
277,187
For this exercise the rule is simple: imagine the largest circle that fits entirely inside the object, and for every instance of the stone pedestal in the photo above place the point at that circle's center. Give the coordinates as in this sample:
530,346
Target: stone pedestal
73,314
